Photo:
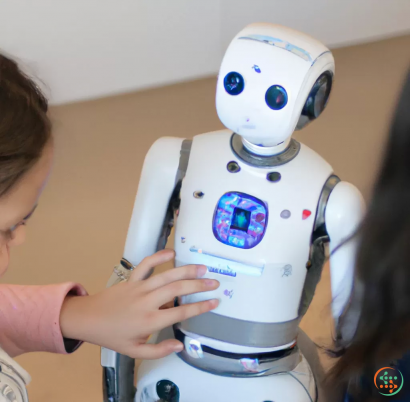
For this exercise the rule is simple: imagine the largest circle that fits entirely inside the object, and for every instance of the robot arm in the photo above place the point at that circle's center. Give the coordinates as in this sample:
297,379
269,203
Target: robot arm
157,183
344,212
147,233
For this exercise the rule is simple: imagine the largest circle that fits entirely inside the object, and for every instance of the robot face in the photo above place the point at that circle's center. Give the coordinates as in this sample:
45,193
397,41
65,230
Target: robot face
259,82
276,96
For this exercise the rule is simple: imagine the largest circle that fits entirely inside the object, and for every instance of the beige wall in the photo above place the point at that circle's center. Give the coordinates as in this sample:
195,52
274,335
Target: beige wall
79,229
88,49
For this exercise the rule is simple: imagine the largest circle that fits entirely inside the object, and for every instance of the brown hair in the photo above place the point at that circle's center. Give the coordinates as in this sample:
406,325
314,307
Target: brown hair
382,270
25,128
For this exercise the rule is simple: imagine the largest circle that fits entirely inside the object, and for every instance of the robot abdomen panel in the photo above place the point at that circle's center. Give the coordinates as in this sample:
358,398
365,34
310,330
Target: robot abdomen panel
252,234
268,296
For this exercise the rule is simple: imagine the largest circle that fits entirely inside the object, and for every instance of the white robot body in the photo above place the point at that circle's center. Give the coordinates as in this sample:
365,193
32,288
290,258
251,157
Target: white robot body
257,208
271,273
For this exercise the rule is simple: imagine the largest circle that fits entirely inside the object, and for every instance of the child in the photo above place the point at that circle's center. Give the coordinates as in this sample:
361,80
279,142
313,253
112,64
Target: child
58,318
374,331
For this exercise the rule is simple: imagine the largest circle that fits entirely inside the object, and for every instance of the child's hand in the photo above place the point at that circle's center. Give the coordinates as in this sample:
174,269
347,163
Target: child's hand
122,317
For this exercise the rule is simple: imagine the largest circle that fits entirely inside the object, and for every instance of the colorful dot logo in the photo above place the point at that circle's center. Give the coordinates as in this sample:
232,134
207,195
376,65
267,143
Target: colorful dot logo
388,381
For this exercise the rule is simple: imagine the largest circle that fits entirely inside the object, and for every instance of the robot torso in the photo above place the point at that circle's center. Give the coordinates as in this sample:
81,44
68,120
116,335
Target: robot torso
253,234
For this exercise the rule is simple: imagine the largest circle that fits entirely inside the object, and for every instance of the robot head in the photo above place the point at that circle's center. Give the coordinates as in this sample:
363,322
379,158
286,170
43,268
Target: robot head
272,81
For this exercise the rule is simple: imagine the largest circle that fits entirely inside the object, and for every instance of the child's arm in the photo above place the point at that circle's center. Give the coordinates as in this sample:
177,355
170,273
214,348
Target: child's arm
122,318
30,318
36,318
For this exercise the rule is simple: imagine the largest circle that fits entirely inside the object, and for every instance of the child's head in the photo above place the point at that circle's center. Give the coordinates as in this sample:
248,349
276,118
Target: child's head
25,153
382,291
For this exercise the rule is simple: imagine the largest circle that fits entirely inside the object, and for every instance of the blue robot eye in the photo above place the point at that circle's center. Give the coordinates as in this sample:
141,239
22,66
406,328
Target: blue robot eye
234,83
276,97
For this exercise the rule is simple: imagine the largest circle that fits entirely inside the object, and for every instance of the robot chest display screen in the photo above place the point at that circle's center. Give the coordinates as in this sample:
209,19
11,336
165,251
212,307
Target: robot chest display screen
240,220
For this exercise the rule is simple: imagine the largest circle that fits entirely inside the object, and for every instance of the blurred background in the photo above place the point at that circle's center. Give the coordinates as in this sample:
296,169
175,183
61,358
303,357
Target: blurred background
122,74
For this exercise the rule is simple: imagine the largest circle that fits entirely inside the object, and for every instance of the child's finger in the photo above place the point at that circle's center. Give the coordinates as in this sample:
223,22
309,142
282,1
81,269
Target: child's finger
177,314
181,288
165,348
144,269
174,275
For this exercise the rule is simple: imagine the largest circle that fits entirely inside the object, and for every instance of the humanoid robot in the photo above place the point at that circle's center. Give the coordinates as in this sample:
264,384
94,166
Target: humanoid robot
257,208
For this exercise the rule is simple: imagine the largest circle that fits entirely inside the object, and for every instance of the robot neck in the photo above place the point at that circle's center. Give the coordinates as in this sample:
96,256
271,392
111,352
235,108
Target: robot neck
266,151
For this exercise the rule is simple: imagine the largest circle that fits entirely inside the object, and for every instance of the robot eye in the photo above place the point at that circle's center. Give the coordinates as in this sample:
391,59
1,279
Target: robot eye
234,83
276,97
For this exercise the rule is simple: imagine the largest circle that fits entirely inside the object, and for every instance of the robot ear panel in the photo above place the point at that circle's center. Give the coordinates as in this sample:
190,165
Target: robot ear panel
317,99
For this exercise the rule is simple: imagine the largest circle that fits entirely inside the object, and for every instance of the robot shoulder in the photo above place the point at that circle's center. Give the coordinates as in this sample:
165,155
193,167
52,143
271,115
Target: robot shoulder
164,146
344,210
